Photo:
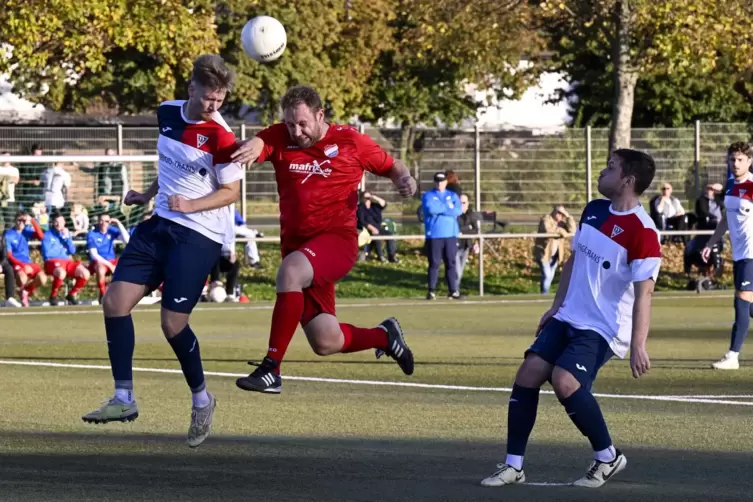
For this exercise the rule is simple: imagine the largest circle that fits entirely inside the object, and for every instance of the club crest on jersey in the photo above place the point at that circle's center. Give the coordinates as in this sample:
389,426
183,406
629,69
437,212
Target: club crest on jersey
331,151
615,232
742,193
200,140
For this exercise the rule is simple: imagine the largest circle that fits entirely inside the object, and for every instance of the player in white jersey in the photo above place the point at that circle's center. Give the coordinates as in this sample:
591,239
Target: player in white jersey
602,308
197,184
738,201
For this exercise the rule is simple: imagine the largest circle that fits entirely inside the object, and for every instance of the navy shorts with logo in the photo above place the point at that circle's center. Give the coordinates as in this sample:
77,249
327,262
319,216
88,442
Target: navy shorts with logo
582,352
161,251
743,272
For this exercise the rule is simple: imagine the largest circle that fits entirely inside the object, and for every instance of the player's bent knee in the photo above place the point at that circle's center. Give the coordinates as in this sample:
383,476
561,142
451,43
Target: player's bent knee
59,273
324,335
533,372
564,383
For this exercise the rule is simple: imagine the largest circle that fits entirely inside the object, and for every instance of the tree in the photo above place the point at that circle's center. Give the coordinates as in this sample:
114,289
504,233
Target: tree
643,39
123,54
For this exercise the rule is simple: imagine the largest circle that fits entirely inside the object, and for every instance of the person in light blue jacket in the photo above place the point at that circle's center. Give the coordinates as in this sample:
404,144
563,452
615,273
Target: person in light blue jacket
441,210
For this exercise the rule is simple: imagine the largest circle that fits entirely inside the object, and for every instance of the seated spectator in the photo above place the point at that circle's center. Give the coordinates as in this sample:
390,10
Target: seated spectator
80,218
56,181
39,213
549,251
100,242
469,225
227,264
29,275
667,211
57,248
369,216
709,207
9,176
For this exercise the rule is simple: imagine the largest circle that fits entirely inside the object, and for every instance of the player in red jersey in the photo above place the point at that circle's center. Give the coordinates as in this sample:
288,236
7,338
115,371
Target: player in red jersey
318,167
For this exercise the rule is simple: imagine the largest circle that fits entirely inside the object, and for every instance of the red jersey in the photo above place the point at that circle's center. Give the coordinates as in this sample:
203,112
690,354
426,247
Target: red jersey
318,186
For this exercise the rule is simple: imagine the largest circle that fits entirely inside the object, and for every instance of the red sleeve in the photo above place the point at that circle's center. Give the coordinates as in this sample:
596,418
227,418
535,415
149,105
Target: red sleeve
274,137
37,229
225,145
646,245
13,260
373,158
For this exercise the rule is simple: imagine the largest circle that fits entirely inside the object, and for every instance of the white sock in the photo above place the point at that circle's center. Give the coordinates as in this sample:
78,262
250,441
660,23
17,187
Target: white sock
607,455
732,354
200,399
515,461
124,395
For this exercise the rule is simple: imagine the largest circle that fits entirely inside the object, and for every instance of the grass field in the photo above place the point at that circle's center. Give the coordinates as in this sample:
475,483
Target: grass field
687,430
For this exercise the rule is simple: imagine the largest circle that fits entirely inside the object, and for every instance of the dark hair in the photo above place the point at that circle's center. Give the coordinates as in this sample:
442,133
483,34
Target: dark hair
20,213
301,94
56,215
740,147
35,147
638,164
451,177
210,71
104,213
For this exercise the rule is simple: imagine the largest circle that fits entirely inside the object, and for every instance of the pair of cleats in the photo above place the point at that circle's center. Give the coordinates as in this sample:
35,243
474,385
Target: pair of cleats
598,474
266,377
114,410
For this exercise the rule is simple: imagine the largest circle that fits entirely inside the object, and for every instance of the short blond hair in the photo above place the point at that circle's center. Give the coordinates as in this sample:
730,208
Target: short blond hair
210,71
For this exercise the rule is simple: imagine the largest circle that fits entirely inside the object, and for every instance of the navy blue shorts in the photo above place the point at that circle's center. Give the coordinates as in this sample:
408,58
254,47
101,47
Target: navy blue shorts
161,251
743,272
582,352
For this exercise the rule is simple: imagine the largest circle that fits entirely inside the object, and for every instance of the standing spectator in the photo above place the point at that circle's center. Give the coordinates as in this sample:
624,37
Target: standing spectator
441,209
227,263
548,251
56,181
57,248
369,216
101,245
29,188
112,181
453,183
709,207
29,275
468,222
9,177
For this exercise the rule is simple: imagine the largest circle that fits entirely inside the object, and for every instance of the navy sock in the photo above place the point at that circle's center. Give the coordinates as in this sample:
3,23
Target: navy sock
521,415
742,322
186,347
121,338
585,413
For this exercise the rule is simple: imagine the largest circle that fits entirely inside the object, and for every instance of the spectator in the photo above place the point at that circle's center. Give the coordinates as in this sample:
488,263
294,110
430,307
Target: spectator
56,181
8,276
228,264
57,248
453,183
549,251
709,207
112,181
252,250
441,209
9,177
29,188
370,217
101,245
80,218
667,210
468,222
29,275
39,213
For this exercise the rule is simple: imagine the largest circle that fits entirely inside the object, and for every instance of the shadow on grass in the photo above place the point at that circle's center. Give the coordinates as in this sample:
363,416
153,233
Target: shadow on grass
97,466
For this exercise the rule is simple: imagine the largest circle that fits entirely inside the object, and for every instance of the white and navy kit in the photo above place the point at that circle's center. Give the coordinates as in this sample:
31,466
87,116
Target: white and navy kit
612,250
738,201
180,249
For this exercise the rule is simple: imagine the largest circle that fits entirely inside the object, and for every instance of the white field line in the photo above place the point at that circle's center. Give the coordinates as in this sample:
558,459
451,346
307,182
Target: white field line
678,399
408,303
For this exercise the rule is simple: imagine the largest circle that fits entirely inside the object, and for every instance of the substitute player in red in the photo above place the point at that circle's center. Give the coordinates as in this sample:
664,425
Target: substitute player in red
318,167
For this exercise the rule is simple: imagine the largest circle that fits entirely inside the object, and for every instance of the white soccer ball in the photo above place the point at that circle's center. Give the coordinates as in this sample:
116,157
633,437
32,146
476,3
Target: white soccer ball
217,294
264,39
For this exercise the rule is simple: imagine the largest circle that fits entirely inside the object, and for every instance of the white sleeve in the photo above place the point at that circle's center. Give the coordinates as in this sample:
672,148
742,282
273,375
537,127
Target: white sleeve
228,173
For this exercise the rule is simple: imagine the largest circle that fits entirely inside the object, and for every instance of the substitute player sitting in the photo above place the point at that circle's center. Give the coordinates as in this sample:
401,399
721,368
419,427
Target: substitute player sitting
57,248
100,241
195,187
602,308
318,167
29,275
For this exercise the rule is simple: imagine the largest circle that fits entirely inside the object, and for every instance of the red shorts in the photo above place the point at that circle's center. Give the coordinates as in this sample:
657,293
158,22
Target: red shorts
93,266
332,256
69,266
35,269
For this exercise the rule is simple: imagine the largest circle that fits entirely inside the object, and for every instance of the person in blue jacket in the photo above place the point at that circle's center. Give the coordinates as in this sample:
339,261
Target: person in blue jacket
441,210
57,249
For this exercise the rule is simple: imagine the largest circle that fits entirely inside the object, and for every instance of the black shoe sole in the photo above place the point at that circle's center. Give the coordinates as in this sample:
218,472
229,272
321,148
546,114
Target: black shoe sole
408,367
129,418
242,383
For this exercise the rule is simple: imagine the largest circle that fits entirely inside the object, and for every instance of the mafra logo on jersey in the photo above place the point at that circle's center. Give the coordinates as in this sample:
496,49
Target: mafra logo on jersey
200,140
311,169
331,151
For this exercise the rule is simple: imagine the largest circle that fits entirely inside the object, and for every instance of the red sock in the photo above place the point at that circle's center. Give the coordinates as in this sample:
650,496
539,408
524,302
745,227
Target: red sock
102,287
285,318
358,339
80,283
56,283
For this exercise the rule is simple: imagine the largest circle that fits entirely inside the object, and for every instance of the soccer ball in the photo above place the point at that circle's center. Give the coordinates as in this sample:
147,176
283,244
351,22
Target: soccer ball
217,294
264,39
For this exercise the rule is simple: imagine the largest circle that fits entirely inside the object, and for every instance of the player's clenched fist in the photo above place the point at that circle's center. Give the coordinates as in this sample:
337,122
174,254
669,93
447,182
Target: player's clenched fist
135,198
406,186
179,204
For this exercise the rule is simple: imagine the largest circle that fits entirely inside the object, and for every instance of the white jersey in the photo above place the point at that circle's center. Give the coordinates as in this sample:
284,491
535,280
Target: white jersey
612,251
738,201
56,181
194,160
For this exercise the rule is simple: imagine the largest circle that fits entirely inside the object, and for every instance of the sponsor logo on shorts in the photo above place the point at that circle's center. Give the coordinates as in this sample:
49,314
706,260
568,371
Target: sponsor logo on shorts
309,251
180,300
581,367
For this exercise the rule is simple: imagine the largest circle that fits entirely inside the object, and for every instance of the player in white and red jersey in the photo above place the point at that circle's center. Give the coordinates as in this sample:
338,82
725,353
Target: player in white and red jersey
318,167
197,184
602,308
738,201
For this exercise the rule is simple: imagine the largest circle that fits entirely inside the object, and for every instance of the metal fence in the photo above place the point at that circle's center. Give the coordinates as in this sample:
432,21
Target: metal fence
512,172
